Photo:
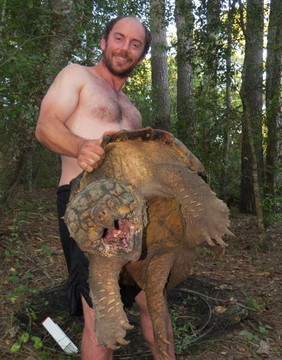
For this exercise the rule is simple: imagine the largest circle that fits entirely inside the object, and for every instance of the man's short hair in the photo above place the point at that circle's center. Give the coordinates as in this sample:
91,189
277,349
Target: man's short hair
111,24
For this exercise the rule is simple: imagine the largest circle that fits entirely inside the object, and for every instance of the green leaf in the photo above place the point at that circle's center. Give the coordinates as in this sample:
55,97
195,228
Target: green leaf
35,338
28,275
38,345
247,334
263,330
14,278
47,249
21,288
30,3
16,347
25,337
37,342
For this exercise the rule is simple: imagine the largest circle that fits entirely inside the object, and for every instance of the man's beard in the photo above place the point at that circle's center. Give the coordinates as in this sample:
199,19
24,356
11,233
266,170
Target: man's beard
120,73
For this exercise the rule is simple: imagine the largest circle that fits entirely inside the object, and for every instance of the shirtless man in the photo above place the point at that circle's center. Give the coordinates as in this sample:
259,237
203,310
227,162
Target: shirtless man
81,105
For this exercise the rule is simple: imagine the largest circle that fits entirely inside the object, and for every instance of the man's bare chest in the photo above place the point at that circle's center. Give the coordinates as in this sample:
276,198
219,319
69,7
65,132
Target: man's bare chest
106,105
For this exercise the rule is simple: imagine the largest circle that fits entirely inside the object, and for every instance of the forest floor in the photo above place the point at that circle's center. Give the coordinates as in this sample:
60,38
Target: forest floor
231,309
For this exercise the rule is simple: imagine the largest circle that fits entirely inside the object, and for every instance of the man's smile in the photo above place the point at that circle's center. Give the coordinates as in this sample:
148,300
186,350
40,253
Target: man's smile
120,58
123,58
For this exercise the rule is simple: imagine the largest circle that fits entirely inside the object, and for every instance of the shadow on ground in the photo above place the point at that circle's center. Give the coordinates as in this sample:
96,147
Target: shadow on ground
200,309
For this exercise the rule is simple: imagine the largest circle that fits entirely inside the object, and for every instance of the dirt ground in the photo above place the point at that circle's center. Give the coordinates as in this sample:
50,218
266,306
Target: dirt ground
246,279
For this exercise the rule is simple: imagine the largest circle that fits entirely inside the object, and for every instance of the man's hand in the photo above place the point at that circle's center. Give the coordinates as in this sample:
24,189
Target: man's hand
90,154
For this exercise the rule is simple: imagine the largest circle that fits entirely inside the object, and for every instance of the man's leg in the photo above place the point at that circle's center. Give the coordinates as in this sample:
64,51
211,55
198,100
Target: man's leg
147,327
90,349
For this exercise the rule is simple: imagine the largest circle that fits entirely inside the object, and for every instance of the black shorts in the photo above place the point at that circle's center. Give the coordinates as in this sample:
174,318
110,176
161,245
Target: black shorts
77,264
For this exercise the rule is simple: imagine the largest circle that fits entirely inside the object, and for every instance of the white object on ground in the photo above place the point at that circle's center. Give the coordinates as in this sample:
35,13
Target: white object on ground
59,336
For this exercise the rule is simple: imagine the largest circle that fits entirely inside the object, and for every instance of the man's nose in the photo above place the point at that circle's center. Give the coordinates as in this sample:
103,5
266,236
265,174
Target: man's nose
126,45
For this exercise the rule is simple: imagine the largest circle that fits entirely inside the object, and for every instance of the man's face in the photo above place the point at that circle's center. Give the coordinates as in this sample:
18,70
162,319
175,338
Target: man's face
123,49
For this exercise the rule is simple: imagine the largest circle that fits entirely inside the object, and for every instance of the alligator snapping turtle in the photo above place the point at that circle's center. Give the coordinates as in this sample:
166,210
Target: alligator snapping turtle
142,213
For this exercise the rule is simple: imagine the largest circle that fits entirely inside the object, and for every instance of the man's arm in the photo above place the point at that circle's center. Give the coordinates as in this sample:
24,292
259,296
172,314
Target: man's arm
57,106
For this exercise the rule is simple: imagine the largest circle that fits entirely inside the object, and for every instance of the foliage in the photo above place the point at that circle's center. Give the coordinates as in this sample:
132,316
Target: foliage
183,335
23,38
138,89
273,207
262,332
24,338
25,30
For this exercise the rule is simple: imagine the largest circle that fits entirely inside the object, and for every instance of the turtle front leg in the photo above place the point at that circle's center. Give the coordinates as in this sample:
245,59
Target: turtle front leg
157,274
111,321
205,216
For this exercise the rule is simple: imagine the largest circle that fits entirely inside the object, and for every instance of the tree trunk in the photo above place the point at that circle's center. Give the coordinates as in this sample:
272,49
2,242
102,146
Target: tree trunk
213,28
185,117
251,95
273,97
228,112
63,38
3,16
256,185
160,84
209,61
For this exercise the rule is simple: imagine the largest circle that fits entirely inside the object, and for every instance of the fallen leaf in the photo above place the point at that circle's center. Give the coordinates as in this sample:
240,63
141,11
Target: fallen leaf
264,273
220,309
264,348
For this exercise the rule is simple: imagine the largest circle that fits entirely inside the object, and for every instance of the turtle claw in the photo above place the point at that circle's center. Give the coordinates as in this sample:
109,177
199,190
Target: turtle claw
164,340
112,347
219,241
126,325
165,354
230,233
122,341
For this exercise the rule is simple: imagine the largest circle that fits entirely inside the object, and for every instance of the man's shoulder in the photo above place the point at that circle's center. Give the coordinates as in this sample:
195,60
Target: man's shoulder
74,69
74,74
124,98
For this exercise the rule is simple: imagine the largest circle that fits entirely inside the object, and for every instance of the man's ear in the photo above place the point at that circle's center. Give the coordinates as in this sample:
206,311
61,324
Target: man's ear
103,43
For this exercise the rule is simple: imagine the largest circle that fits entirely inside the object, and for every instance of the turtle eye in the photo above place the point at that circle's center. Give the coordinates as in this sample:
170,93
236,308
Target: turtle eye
102,215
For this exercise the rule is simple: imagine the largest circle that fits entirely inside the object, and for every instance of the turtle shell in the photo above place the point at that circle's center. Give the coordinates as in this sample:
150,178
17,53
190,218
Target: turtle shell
162,136
145,135
158,166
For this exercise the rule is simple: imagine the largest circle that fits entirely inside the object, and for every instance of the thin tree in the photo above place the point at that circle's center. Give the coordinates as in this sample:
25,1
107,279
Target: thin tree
228,102
273,95
213,11
207,39
184,19
251,95
160,84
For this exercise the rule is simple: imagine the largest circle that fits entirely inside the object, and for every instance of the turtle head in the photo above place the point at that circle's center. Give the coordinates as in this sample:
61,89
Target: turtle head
107,218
